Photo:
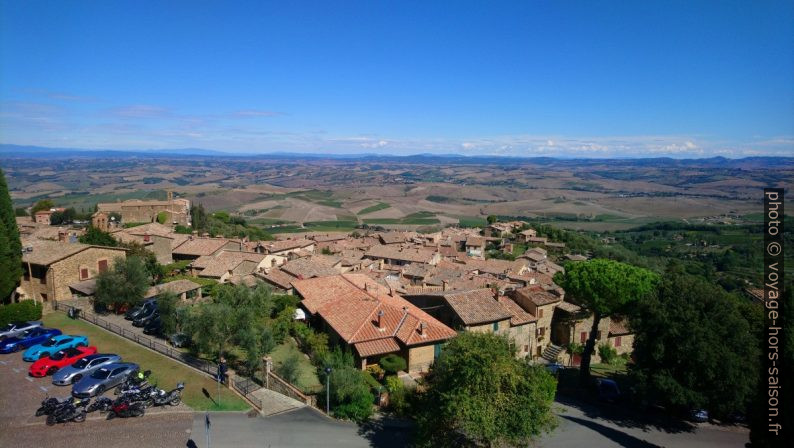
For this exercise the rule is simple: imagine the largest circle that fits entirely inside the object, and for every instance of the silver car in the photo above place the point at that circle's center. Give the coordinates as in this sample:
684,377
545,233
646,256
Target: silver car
17,328
84,366
102,379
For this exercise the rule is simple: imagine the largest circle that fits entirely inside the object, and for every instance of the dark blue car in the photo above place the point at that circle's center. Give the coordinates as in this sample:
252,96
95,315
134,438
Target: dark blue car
31,337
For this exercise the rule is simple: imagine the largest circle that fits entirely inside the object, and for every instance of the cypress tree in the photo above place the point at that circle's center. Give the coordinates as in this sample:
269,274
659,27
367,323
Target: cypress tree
10,245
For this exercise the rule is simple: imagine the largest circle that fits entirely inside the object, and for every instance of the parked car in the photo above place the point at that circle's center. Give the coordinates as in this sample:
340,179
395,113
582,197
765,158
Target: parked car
84,366
58,360
146,306
35,335
53,345
153,327
608,390
144,319
179,340
699,415
554,367
102,379
16,328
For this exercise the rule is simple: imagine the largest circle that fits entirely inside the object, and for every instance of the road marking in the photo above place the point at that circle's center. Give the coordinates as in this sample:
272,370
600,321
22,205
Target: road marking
29,379
43,388
3,362
16,370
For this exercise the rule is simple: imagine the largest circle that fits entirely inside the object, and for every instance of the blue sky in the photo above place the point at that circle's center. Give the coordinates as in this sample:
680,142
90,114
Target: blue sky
524,78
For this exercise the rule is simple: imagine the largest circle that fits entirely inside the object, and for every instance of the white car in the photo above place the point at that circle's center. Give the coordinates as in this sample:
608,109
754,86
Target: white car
17,328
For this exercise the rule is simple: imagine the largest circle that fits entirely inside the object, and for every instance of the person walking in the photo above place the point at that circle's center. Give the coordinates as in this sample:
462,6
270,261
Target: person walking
222,369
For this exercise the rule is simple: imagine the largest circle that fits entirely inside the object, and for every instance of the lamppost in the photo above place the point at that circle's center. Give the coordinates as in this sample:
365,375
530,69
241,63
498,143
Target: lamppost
328,371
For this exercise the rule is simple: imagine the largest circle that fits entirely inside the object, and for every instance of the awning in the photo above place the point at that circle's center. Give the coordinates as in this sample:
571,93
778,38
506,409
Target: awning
376,347
86,287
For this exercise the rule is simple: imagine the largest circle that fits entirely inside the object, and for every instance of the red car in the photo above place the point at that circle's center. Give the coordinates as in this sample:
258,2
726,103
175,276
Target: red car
50,364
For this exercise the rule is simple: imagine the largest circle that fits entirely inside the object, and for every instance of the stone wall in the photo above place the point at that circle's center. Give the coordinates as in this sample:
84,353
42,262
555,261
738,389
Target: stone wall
67,271
420,358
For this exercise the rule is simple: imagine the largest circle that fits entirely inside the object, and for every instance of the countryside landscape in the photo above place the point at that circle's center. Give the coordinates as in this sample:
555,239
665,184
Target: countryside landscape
231,224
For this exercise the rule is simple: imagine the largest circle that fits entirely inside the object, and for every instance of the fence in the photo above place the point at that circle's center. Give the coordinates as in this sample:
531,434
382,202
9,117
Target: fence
243,385
206,367
246,386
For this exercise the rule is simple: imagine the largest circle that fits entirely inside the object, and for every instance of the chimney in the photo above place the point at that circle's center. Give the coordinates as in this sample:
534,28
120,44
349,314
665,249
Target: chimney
61,235
380,319
444,285
422,327
146,237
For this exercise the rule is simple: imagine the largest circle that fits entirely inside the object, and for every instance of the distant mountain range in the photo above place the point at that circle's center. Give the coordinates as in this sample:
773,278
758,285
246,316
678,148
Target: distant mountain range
32,152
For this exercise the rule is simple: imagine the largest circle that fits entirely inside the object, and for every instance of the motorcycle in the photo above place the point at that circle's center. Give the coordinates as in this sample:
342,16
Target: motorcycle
72,412
133,382
123,407
50,404
101,404
173,398
145,395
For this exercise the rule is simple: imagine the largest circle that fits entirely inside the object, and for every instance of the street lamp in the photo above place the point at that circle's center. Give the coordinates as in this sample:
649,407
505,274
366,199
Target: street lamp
328,371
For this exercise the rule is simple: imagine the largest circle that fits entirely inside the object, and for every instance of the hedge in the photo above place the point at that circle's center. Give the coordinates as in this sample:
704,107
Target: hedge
25,310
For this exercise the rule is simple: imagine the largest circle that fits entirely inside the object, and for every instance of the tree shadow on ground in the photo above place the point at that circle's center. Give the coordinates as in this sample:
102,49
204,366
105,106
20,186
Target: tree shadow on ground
626,415
388,432
616,436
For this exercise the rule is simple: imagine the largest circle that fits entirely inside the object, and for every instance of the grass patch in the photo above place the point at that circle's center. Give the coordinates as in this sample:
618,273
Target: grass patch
307,382
165,371
374,208
472,222
330,203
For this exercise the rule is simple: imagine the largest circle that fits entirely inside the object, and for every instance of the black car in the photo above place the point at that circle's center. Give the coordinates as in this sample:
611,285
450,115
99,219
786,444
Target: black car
144,319
154,327
142,309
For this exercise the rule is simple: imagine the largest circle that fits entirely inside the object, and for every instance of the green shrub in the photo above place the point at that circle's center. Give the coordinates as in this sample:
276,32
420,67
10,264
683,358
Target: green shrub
25,310
607,353
350,394
162,217
289,369
393,363
398,395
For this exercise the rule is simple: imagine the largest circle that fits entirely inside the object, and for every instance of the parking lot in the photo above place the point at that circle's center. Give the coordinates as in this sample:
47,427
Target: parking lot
21,395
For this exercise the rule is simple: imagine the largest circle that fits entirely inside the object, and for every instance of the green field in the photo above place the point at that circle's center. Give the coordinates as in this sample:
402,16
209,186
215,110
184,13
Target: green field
165,371
307,382
403,221
472,221
86,201
374,208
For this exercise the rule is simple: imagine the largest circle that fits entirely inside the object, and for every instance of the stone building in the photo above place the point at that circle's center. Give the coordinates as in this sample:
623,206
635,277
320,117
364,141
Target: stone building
50,267
177,211
541,304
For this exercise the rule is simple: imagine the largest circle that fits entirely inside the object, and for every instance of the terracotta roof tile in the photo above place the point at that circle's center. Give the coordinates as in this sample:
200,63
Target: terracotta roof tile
520,316
200,246
476,307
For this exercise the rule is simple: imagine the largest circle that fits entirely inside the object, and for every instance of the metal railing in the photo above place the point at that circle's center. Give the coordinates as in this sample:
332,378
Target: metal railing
204,366
246,387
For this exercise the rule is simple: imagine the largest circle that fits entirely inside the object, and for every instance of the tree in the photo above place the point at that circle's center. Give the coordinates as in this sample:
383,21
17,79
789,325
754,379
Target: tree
167,306
21,211
479,394
162,217
694,347
290,368
392,363
10,244
198,217
64,217
43,204
603,287
125,284
97,237
491,219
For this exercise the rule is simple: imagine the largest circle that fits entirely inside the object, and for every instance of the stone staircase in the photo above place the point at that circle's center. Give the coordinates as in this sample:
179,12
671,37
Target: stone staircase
551,352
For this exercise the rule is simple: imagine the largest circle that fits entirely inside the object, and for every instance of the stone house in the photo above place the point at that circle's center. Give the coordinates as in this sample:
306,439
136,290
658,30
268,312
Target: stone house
155,237
222,265
392,256
177,211
475,247
525,235
372,320
541,304
194,247
50,267
522,327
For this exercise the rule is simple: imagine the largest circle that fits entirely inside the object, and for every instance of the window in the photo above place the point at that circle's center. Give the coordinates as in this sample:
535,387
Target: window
83,273
583,337
496,326
44,297
102,265
617,341
598,335
526,348
540,313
